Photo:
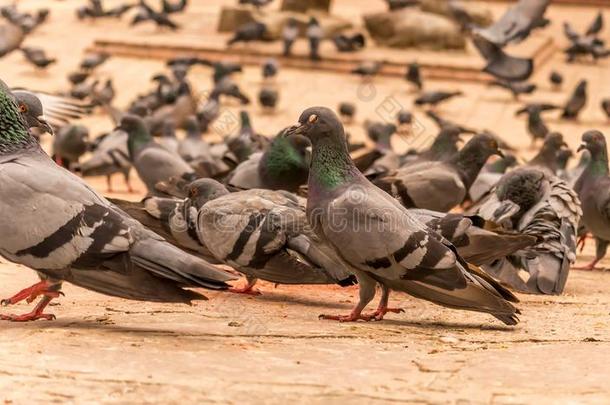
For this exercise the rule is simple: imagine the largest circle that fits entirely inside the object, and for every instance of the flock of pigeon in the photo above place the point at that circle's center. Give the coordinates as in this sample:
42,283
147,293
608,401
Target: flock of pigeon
450,225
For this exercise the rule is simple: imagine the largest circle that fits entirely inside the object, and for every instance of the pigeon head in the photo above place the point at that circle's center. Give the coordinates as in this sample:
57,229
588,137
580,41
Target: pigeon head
203,190
317,123
32,110
554,141
483,145
137,132
595,142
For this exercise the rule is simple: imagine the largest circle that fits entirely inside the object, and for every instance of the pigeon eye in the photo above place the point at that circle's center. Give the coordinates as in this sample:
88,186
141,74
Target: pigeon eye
23,108
312,118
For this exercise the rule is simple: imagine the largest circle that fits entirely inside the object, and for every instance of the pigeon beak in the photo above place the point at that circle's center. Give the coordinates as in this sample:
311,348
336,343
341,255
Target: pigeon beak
581,147
500,153
297,129
43,124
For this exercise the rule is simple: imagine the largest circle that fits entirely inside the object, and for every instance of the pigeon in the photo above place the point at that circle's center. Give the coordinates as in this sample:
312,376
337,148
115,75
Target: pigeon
283,166
404,117
270,68
547,156
94,60
168,139
443,147
382,159
290,33
256,3
413,75
171,8
314,35
77,236
444,123
587,44
37,57
104,95
489,177
349,43
367,69
606,107
147,13
45,111
78,77
501,65
109,155
593,188
381,240
516,88
268,97
347,111
11,38
152,162
556,80
70,143
193,146
248,32
27,22
576,102
435,97
535,124
516,23
261,233
440,186
398,4
532,200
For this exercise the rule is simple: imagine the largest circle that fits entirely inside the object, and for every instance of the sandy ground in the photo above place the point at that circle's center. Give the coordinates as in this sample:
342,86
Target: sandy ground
273,348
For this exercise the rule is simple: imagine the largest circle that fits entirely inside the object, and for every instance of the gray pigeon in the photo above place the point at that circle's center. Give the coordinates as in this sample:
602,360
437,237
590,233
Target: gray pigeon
11,37
283,166
37,57
109,155
153,163
56,224
440,186
433,98
593,188
576,102
261,233
533,201
536,126
70,144
413,75
381,240
516,88
489,177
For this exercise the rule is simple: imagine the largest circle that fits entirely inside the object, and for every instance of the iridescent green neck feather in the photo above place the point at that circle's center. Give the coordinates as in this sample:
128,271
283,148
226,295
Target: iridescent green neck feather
331,165
14,134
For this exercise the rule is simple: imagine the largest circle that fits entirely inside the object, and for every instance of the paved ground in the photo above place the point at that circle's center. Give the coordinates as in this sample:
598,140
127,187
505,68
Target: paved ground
273,348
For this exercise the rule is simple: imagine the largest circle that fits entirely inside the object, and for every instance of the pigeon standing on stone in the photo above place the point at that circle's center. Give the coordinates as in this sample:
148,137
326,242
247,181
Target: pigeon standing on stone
37,57
314,35
261,233
413,75
576,102
516,88
593,188
93,60
384,242
147,13
535,124
69,144
109,155
347,111
533,201
349,43
268,97
440,186
56,224
556,80
605,104
152,162
433,98
248,32
270,69
367,69
290,33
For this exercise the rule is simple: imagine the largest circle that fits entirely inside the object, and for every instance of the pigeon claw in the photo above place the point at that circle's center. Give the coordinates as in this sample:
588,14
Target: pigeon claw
32,316
380,313
248,290
348,318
